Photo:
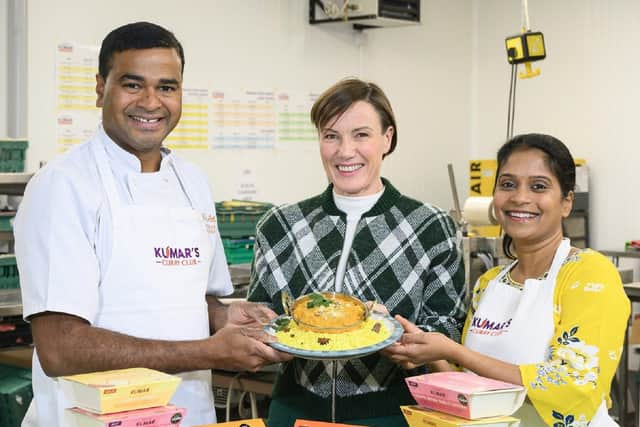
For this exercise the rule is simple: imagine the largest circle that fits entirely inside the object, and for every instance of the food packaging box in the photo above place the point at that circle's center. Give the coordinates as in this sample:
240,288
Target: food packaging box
120,390
308,423
254,422
466,395
161,416
420,417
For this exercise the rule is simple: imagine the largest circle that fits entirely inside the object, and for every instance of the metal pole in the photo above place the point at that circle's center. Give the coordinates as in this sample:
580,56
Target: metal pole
454,193
17,69
334,375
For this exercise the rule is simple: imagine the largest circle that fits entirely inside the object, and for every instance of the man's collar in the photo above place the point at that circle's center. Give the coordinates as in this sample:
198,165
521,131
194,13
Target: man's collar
127,160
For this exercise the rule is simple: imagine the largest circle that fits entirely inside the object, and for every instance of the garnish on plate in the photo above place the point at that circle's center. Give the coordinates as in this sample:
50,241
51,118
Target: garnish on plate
282,324
317,300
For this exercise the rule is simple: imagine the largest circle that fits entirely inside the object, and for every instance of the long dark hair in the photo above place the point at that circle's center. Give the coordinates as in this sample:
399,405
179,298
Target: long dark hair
557,157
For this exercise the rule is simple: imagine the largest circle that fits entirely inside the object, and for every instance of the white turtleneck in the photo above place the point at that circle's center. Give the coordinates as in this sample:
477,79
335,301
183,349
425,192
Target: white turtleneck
354,207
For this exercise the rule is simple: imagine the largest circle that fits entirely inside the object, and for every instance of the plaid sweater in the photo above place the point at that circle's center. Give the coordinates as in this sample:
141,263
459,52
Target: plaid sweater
404,255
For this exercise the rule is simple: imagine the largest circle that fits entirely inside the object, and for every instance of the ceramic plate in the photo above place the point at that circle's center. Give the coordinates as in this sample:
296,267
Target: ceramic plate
392,324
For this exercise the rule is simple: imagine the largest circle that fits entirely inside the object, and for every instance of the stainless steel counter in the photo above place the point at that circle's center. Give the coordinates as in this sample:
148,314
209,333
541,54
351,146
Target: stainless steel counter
10,302
13,184
240,276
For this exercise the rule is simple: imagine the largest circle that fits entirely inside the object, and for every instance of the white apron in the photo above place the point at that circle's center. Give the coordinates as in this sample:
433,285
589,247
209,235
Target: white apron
522,327
154,286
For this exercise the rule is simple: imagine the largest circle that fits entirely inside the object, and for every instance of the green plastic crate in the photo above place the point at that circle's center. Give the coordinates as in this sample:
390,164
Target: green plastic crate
238,251
9,278
13,154
6,221
237,219
16,393
15,396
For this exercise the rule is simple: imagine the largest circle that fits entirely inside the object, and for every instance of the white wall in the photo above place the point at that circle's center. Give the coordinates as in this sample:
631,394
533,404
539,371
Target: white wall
447,80
3,68
269,44
586,96
236,44
425,71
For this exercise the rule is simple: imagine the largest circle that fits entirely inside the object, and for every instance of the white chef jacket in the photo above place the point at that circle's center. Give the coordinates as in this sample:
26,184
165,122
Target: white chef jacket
63,226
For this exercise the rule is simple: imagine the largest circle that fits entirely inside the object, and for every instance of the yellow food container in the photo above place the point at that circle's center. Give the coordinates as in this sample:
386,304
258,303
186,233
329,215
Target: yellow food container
120,390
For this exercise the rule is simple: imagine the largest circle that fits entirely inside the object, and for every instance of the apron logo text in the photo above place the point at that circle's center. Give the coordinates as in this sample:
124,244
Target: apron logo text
177,256
488,327
209,223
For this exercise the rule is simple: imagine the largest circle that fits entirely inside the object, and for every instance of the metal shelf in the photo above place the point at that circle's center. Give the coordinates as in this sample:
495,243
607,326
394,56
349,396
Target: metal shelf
10,302
13,184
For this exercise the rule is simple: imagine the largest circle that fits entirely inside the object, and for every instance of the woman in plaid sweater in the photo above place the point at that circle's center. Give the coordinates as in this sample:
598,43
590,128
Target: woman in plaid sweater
362,237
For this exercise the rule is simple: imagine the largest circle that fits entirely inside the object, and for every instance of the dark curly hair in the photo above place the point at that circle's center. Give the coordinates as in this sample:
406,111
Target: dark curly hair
557,157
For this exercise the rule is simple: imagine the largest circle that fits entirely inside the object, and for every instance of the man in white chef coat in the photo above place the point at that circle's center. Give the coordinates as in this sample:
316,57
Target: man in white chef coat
119,255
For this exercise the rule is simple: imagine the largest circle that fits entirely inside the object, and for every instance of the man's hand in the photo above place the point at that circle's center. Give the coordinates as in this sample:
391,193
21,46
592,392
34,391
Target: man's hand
243,348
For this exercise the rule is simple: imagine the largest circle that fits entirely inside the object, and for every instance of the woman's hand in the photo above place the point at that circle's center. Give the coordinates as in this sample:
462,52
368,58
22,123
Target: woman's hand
417,347
244,313
376,307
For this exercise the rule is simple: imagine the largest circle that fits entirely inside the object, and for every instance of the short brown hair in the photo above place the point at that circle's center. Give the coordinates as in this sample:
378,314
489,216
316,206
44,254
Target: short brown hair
338,98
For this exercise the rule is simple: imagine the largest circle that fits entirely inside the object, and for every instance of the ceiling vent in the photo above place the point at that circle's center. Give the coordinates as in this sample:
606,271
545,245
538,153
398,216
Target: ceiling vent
364,14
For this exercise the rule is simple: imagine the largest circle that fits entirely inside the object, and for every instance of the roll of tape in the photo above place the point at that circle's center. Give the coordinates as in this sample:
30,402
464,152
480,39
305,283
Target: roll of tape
479,211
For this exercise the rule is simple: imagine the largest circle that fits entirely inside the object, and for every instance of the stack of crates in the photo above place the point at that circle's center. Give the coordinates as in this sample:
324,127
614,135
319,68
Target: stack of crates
238,251
237,225
12,154
15,395
9,278
6,220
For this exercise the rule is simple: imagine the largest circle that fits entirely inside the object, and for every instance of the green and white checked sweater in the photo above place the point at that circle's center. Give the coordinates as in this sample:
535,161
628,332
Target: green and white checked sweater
405,255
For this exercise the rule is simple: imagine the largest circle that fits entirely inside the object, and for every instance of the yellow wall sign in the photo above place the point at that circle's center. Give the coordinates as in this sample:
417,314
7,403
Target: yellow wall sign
482,175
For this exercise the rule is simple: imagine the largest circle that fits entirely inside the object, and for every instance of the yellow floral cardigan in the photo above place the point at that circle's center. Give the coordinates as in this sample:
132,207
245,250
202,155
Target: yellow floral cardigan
591,312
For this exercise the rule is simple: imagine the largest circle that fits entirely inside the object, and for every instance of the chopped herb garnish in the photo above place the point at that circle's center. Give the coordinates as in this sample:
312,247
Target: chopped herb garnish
317,300
282,324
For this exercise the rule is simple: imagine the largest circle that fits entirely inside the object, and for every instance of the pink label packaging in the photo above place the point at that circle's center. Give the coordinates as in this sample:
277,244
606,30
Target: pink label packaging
160,416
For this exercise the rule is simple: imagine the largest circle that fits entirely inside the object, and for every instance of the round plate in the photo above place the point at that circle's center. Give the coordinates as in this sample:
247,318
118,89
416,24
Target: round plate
392,324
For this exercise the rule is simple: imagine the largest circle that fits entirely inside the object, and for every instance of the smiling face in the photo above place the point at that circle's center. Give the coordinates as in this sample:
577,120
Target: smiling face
528,200
141,98
352,146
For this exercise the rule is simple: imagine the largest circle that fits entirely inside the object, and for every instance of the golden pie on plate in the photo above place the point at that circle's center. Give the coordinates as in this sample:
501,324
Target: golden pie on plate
330,325
329,312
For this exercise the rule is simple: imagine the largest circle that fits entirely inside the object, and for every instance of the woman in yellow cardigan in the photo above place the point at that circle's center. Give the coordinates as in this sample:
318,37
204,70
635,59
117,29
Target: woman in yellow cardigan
554,319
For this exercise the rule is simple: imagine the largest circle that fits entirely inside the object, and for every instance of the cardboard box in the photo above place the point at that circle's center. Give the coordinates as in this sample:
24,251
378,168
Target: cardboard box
466,395
254,422
309,423
120,390
420,417
634,336
162,416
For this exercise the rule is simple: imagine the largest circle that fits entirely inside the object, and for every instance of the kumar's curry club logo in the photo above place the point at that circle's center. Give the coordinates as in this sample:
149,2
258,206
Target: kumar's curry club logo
484,326
177,256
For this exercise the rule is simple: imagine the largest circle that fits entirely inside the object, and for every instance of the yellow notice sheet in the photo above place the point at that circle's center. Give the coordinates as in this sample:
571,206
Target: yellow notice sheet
76,68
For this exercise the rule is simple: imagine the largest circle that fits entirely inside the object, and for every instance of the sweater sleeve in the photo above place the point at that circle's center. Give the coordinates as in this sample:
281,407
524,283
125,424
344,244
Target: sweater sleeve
443,309
591,313
262,285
